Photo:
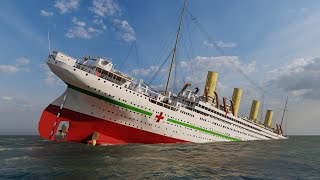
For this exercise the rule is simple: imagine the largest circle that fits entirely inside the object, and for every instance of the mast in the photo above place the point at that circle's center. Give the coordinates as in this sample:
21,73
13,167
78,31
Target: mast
284,111
175,47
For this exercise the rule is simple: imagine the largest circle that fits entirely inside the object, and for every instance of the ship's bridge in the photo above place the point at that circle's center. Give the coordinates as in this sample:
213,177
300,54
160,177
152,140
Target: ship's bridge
96,63
103,68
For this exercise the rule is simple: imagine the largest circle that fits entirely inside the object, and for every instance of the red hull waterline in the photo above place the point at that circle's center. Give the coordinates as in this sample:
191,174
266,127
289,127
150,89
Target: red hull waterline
82,126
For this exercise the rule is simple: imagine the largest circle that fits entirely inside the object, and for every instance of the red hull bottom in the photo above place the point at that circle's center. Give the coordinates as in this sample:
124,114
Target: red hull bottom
82,127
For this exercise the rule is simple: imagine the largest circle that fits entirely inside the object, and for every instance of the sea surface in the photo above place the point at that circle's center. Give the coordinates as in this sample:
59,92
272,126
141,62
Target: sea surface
30,157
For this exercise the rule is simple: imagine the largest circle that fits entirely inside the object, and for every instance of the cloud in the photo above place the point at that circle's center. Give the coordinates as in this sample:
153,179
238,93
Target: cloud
19,66
100,23
101,9
8,69
300,11
300,78
79,32
78,22
23,61
302,117
232,72
145,71
93,30
50,78
125,29
292,40
82,32
207,43
219,62
66,6
6,98
220,44
46,13
195,72
104,8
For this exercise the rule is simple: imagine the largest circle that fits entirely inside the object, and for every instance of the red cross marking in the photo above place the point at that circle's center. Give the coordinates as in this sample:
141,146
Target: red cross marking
159,117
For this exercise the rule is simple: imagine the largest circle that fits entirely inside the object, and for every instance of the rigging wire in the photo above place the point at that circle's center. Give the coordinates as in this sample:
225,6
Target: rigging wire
127,56
221,51
166,45
179,64
183,77
178,69
189,60
233,64
175,48
137,55
193,68
160,80
159,69
276,114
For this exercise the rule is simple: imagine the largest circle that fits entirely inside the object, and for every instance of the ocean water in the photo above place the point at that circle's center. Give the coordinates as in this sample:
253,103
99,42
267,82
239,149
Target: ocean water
30,157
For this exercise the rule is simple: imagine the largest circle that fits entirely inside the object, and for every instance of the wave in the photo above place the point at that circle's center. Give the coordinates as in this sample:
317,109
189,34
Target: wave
6,149
18,158
20,149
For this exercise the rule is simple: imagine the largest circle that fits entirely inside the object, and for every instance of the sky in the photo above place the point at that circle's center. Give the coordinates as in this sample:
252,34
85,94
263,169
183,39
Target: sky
271,49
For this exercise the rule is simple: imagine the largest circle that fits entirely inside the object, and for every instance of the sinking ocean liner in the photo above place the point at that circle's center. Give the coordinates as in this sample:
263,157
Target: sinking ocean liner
102,105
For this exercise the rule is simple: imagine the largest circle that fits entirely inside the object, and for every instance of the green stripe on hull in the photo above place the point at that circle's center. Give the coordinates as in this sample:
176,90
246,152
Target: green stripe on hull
110,100
201,129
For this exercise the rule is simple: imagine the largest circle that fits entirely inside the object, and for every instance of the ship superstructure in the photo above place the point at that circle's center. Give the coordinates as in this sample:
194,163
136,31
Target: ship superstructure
102,105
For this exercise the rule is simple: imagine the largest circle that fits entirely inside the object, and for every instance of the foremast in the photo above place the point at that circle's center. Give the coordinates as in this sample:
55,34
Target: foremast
175,47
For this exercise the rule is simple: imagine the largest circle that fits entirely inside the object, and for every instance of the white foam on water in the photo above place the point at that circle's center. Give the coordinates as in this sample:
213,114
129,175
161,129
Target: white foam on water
18,149
6,149
18,158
